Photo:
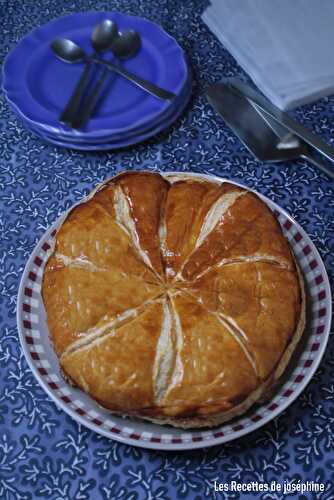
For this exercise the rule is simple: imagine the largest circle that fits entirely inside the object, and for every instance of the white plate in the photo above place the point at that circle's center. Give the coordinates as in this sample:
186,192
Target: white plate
34,337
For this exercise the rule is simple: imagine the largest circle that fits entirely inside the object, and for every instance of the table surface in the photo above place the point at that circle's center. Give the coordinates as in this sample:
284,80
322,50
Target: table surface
45,454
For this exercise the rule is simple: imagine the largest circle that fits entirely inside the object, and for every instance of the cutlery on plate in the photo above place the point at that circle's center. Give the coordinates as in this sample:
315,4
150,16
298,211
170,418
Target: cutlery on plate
70,52
125,45
149,87
66,50
267,139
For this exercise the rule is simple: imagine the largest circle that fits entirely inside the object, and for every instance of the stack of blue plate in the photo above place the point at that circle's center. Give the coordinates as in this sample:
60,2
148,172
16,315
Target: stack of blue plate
38,85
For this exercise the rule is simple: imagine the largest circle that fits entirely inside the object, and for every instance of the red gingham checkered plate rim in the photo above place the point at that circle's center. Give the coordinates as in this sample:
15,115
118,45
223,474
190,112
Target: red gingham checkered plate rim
35,342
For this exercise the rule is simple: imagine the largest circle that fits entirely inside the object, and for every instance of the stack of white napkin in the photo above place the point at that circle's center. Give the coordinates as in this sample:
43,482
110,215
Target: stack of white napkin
286,46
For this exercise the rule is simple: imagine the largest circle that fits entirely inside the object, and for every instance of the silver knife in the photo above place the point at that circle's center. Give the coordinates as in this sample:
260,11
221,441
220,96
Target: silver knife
280,116
247,123
265,137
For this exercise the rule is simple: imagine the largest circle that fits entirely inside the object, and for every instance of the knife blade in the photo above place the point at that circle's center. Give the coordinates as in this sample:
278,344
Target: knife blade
247,123
280,116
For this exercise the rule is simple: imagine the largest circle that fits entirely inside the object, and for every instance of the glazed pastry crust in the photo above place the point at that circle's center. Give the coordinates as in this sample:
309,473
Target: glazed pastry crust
173,299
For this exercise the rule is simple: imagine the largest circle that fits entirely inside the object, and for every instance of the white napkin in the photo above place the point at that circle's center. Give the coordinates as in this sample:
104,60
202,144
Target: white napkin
286,46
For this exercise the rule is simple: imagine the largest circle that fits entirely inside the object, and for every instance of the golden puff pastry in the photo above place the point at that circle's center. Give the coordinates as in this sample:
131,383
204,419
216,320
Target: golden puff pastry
173,298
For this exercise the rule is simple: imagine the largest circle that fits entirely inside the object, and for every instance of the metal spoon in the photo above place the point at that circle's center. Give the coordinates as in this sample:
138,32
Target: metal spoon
68,51
102,38
127,45
62,45
124,46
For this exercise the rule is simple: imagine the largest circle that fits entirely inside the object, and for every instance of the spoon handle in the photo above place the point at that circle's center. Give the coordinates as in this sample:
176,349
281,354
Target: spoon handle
152,89
73,104
90,103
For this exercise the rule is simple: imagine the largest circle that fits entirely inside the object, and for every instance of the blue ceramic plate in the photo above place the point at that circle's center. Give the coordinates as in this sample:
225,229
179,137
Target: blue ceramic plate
122,143
32,73
131,138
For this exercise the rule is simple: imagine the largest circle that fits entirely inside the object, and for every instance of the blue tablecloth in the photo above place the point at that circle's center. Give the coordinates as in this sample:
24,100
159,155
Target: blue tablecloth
43,453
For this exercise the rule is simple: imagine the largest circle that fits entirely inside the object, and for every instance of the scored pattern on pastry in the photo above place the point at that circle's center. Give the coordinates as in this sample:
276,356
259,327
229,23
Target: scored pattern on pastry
233,329
216,212
164,358
105,326
171,299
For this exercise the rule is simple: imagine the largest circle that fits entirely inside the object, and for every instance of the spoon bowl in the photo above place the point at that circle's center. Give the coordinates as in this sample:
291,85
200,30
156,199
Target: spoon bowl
68,51
103,35
126,44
